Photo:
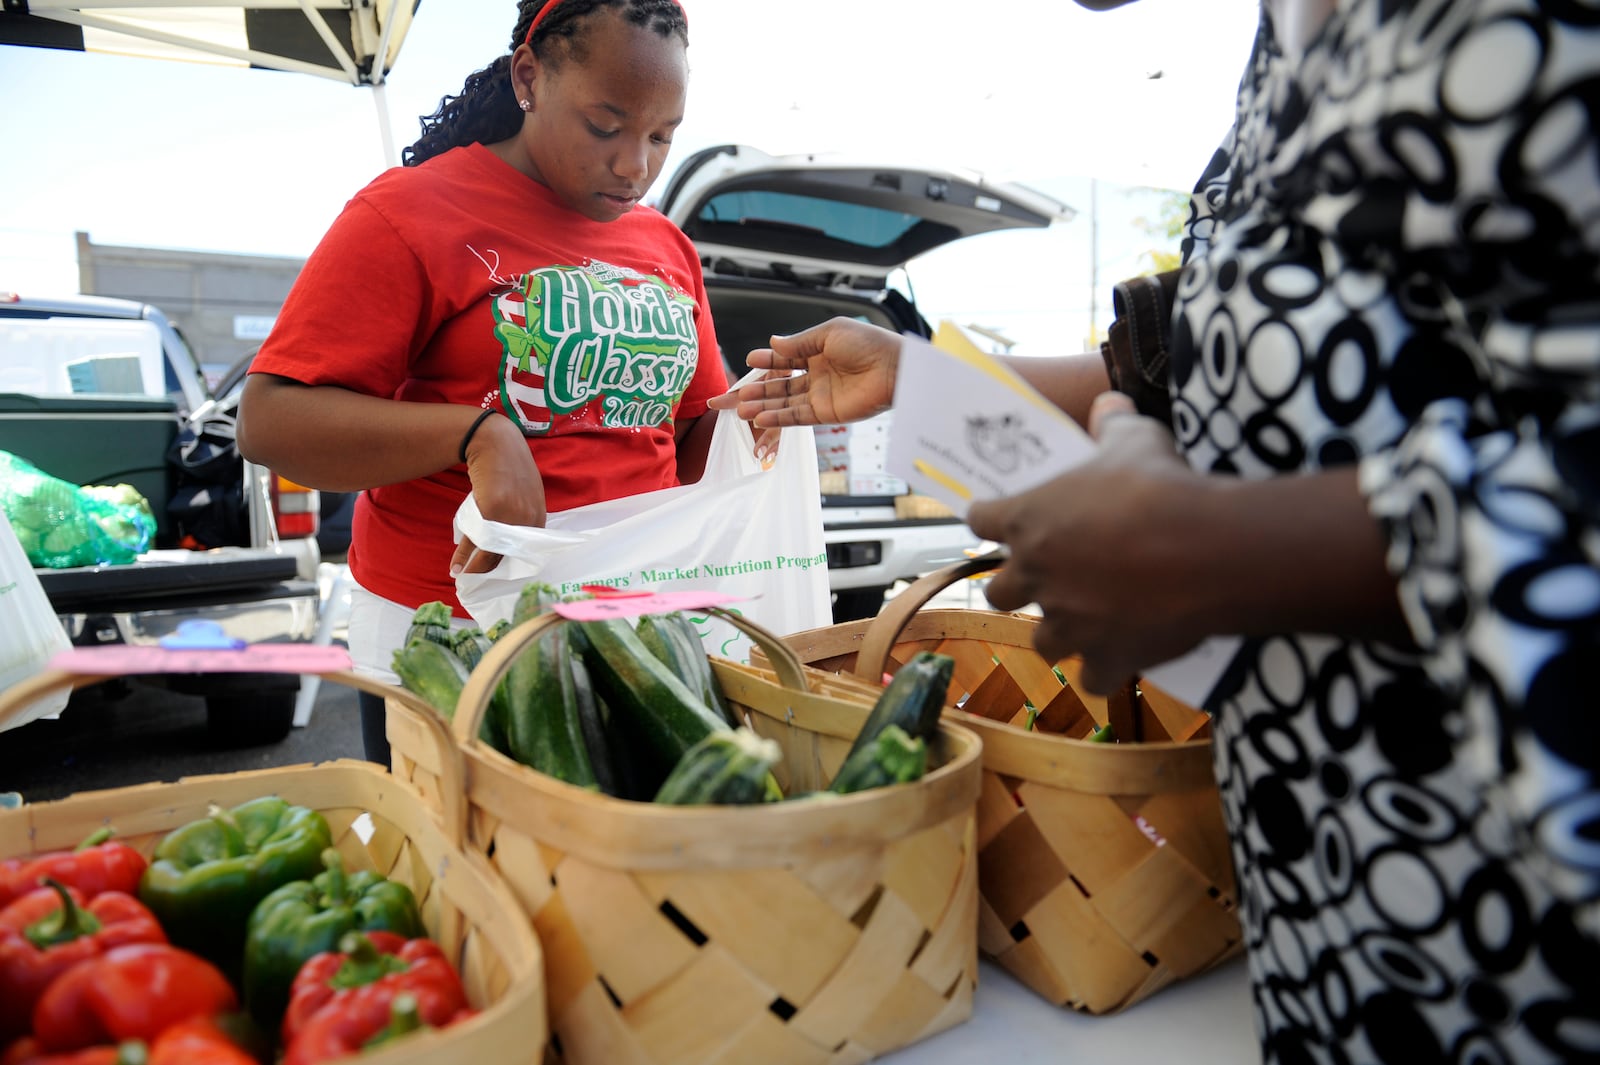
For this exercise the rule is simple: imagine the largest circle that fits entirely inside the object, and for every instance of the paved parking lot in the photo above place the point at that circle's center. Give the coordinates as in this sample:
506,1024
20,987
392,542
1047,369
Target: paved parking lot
132,734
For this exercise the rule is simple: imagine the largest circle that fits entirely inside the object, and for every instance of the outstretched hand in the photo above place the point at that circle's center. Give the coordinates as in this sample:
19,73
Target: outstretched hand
506,485
1101,550
848,374
767,441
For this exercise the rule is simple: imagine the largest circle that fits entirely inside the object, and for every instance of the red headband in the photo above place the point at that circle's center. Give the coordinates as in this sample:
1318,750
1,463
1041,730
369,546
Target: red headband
546,9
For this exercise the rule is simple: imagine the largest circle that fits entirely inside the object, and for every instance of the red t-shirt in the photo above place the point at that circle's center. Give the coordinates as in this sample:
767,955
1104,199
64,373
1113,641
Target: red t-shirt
465,281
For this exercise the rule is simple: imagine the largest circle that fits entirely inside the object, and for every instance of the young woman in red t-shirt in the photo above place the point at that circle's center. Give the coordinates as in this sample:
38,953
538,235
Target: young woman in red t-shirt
501,316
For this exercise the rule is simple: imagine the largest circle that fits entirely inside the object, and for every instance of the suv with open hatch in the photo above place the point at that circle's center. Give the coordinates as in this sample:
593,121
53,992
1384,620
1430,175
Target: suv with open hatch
786,242
97,391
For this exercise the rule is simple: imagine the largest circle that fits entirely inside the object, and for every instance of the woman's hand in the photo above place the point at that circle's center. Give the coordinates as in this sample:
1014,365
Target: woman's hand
506,484
849,373
767,446
1103,550
1134,558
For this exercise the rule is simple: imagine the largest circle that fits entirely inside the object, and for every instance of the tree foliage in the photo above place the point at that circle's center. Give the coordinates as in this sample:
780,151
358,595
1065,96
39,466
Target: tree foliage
1172,210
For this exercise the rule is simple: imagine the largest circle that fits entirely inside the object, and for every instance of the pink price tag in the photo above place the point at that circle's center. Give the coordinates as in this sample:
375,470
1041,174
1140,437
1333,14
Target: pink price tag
605,591
635,604
257,658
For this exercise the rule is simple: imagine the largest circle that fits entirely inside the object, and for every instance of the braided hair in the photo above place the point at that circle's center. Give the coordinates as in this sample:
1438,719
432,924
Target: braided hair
486,110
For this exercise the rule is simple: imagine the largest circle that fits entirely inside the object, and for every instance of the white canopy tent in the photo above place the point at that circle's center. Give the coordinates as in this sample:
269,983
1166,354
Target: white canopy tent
337,39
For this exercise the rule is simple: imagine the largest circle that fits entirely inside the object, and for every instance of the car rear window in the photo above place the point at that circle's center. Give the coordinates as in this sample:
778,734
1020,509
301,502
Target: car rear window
850,223
76,356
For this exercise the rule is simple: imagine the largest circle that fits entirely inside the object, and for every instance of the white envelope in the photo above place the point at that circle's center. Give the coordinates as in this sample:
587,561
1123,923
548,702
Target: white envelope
967,428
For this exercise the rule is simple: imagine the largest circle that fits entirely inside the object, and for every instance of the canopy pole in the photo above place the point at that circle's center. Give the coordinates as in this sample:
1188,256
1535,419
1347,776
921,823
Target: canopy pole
380,99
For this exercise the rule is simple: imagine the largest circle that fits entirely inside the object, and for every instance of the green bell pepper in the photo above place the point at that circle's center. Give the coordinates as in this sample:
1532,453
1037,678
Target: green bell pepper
207,876
309,917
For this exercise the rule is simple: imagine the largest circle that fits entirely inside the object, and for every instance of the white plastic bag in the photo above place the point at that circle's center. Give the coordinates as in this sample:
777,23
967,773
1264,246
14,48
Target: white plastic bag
740,529
30,632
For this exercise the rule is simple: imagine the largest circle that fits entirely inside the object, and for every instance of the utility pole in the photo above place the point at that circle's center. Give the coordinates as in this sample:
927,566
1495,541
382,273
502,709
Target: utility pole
1094,259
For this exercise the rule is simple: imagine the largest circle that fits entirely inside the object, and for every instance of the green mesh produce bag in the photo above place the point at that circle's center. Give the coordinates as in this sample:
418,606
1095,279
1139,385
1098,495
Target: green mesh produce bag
60,524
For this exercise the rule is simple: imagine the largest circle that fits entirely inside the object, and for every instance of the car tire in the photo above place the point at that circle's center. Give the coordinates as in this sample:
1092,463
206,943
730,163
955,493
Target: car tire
853,604
240,720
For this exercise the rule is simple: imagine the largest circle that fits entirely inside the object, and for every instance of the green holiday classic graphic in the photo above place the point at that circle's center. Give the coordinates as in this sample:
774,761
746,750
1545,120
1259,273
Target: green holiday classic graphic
594,347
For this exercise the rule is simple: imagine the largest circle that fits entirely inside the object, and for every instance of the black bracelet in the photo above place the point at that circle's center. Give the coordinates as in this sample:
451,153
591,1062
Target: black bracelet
465,440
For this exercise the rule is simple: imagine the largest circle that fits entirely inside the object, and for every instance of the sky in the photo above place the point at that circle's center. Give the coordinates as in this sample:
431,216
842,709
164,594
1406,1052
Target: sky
163,154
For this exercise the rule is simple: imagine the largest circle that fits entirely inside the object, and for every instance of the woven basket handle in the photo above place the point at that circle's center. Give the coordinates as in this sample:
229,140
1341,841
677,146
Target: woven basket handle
882,632
496,662
452,765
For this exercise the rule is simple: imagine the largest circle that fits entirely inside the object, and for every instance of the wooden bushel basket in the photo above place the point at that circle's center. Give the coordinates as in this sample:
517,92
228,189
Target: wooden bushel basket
1105,869
818,931
379,824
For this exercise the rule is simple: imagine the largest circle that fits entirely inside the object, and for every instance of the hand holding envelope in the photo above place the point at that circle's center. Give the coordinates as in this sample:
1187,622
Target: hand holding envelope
1071,511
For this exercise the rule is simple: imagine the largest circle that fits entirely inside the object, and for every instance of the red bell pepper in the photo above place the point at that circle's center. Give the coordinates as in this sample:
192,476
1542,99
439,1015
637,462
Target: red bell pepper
197,1041
131,992
98,864
376,986
27,1052
371,955
48,931
362,1022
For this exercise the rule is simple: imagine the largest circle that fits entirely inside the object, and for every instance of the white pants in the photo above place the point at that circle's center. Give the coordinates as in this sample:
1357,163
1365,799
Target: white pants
377,629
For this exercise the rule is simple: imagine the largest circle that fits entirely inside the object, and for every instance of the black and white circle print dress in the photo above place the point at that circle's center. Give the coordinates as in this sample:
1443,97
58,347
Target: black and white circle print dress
1404,216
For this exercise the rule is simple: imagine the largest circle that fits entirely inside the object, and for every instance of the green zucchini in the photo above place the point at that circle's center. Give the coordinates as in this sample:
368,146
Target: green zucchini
673,640
542,725
1104,734
431,621
492,730
591,723
690,638
499,712
469,644
667,649
432,671
649,699
913,699
893,758
725,768
533,600
637,772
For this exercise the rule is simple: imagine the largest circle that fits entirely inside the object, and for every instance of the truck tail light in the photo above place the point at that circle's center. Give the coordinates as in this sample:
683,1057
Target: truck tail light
855,553
296,509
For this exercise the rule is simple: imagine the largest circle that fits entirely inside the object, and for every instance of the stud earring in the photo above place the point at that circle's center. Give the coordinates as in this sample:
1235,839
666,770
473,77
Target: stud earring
526,105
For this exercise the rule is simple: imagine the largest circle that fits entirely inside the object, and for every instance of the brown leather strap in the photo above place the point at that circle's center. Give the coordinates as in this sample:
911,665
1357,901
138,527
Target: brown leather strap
1136,349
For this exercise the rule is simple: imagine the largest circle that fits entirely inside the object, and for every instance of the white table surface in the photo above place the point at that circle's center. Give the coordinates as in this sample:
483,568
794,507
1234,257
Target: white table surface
1204,1020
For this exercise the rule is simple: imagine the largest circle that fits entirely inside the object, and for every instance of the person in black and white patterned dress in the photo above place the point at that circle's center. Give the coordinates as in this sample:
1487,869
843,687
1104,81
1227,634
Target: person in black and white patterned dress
1382,381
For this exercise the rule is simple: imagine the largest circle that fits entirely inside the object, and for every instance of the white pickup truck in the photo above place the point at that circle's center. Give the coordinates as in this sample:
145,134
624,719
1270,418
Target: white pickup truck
96,391
787,242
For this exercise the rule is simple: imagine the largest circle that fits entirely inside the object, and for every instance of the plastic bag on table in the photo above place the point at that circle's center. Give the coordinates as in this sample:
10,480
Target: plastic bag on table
59,524
740,529
30,632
